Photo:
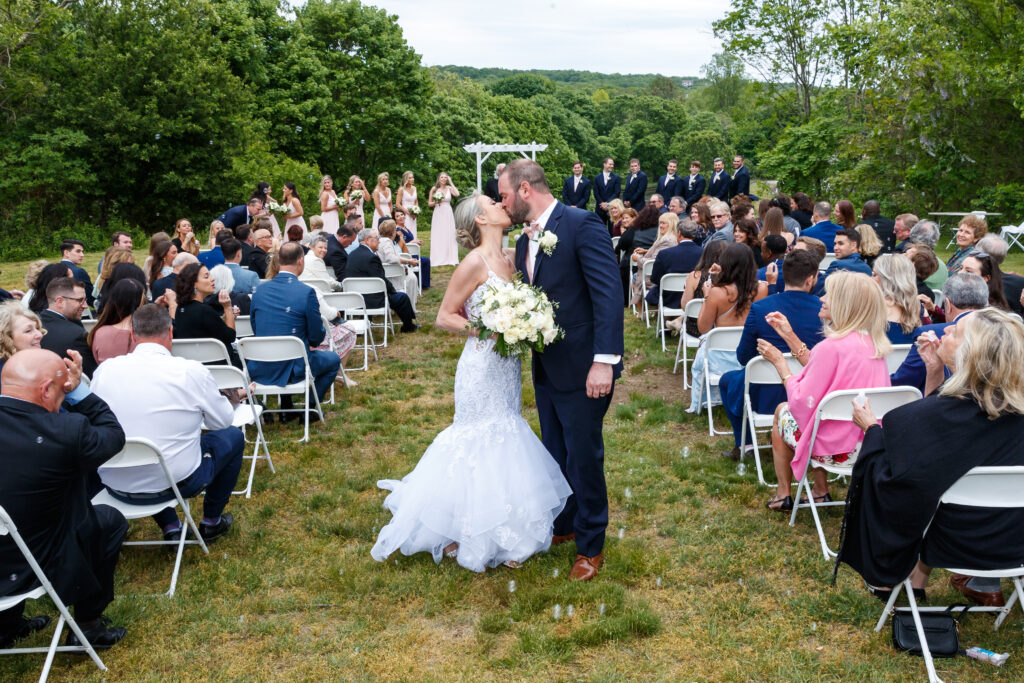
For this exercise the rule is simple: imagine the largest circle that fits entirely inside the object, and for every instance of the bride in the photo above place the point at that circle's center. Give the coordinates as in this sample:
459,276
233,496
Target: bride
486,491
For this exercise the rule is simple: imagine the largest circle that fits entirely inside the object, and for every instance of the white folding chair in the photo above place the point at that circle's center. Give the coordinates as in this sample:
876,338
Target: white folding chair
89,324
615,242
334,349
981,487
826,262
318,283
368,286
718,339
415,251
7,527
243,326
207,350
281,349
896,357
940,298
138,452
645,273
686,342
670,282
247,414
352,305
838,406
760,372
1012,234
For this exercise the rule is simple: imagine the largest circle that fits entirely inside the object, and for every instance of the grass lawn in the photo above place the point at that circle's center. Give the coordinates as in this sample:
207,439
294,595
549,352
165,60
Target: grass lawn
700,581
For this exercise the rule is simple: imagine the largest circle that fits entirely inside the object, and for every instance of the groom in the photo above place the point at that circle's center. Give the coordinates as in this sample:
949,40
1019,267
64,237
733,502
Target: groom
574,377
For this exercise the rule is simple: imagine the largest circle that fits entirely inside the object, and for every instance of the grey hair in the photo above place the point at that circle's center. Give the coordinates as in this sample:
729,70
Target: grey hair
222,278
966,291
367,233
717,159
823,209
995,246
467,232
498,170
183,259
151,321
925,232
682,202
319,239
687,228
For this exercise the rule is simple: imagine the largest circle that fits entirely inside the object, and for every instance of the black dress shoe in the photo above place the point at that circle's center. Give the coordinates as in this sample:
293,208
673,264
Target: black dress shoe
173,535
409,327
211,532
734,454
26,628
101,636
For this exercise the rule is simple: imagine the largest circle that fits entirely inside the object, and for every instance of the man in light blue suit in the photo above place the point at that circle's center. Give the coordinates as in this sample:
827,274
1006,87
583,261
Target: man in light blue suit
821,227
246,281
847,246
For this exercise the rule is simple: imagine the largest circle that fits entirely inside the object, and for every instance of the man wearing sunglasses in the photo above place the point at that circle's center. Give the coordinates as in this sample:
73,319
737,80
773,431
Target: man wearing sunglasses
62,320
721,219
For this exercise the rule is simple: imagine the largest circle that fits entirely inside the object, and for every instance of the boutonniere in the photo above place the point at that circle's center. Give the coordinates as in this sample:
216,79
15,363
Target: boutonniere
548,241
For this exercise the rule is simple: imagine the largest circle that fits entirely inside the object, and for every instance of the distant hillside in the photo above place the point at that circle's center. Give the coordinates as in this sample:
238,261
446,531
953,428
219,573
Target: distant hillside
571,77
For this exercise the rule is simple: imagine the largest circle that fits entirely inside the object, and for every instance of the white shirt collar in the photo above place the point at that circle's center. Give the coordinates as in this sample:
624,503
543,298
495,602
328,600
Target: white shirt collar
542,219
152,347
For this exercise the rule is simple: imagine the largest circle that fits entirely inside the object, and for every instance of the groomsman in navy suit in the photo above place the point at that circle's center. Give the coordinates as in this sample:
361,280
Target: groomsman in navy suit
607,186
635,194
740,183
576,189
693,187
670,185
241,214
720,181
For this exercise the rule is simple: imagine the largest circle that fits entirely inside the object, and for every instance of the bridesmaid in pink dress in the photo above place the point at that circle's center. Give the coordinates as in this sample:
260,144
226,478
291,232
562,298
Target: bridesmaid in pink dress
406,198
290,198
356,183
381,199
444,250
329,206
263,194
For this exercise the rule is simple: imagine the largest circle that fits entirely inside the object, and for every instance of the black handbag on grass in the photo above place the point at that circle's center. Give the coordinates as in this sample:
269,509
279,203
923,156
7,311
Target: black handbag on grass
940,630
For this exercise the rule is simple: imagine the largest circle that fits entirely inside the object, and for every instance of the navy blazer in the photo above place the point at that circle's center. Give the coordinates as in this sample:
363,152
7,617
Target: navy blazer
780,285
912,372
692,194
576,197
582,277
824,231
364,262
284,306
667,189
852,262
740,183
336,257
800,308
82,275
235,216
636,191
605,193
681,258
719,188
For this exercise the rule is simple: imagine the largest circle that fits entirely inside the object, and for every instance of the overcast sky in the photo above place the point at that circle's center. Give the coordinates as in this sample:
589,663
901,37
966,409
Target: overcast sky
670,37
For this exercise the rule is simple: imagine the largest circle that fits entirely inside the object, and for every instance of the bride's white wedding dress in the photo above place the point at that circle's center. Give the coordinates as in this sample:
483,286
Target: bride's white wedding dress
486,482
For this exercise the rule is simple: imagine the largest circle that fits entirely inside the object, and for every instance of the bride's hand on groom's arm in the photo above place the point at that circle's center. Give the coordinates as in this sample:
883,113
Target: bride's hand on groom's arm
599,380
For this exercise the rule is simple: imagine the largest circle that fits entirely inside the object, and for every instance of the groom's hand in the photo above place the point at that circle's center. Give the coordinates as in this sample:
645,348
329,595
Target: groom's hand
599,380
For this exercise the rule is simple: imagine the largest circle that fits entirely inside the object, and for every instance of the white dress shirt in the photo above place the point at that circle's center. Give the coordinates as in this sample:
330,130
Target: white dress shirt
165,399
576,182
541,221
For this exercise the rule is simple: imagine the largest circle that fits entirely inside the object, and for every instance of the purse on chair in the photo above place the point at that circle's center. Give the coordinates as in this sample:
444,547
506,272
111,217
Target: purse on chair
940,630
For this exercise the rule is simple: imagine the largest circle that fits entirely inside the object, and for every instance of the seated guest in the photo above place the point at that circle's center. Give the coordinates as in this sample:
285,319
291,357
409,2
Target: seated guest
245,281
295,233
970,421
902,226
846,244
741,210
160,264
802,330
733,288
63,321
195,319
112,335
122,271
745,232
286,306
263,241
695,281
364,262
338,245
156,241
802,210
167,282
852,356
112,257
681,258
119,239
389,252
870,244
224,280
215,256
316,226
20,329
843,214
927,233
184,239
895,275
1013,284
658,202
403,237
773,250
315,268
174,401
642,232
50,273
773,224
884,228
964,293
720,215
625,220
72,253
32,274
784,204
48,456
925,264
821,227
817,247
984,265
668,236
677,205
971,229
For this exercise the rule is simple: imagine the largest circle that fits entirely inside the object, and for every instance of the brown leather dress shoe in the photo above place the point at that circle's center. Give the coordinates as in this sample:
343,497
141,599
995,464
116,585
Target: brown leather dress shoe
959,582
564,538
585,568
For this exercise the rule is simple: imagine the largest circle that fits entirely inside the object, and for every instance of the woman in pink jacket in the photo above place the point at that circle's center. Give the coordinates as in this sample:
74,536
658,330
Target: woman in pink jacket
852,356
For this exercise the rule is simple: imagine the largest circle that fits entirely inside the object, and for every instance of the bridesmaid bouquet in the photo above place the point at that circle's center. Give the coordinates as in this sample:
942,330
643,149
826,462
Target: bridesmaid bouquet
413,210
280,209
439,196
355,195
519,316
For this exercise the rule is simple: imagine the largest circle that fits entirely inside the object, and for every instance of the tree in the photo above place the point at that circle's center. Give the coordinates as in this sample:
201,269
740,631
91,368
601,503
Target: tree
523,86
663,87
725,75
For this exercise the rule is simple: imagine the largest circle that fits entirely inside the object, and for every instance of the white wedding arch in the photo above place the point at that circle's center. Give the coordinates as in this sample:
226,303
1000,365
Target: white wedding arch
483,151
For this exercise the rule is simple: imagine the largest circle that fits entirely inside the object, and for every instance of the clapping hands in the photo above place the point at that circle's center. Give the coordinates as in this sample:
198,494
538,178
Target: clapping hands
74,365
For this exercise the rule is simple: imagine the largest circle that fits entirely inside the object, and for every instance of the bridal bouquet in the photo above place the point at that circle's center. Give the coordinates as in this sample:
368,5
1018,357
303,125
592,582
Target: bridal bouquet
355,195
281,209
413,210
439,196
520,317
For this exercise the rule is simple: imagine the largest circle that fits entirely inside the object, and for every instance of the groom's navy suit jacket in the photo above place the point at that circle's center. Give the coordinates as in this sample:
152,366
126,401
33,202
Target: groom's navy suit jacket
581,275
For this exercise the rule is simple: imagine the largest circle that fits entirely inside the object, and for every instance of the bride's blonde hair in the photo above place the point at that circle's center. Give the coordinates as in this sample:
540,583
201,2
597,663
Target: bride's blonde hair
467,232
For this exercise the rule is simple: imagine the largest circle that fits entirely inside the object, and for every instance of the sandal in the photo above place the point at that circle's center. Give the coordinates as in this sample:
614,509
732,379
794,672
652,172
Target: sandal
818,499
780,504
512,564
451,550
